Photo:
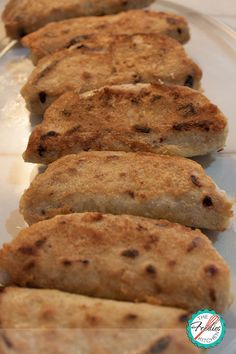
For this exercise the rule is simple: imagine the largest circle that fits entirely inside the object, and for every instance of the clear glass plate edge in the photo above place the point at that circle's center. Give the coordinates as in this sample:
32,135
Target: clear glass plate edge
229,33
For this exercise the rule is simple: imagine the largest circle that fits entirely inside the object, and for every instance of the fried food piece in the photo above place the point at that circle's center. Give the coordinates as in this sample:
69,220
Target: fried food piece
61,35
76,311
25,16
156,118
121,257
108,60
96,341
155,186
50,321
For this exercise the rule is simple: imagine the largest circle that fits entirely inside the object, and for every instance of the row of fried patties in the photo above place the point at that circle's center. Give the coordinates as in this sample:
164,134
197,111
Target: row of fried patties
118,97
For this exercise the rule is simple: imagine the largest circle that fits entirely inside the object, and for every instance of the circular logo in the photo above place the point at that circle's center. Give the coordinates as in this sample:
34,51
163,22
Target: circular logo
206,329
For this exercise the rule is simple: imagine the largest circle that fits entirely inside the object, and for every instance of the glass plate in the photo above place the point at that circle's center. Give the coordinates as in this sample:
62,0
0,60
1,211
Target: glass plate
213,47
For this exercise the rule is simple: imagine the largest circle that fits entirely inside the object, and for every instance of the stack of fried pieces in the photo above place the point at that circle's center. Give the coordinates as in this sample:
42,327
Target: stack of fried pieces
114,261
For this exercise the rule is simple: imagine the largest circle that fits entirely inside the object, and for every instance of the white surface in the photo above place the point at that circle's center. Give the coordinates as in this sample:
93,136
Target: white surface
209,47
222,10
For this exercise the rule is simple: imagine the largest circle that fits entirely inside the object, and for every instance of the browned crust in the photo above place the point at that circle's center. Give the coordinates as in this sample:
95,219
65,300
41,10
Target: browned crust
152,118
96,341
56,309
144,260
25,16
51,321
57,36
105,60
150,185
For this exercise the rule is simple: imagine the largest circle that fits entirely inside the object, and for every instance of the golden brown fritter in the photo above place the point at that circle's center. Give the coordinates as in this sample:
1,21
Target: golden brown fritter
25,16
172,120
122,258
76,311
50,321
108,60
63,34
155,186
96,341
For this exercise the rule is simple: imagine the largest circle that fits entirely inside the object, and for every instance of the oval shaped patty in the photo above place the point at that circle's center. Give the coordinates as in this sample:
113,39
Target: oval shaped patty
155,186
25,16
108,60
32,320
161,119
122,258
76,311
64,34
